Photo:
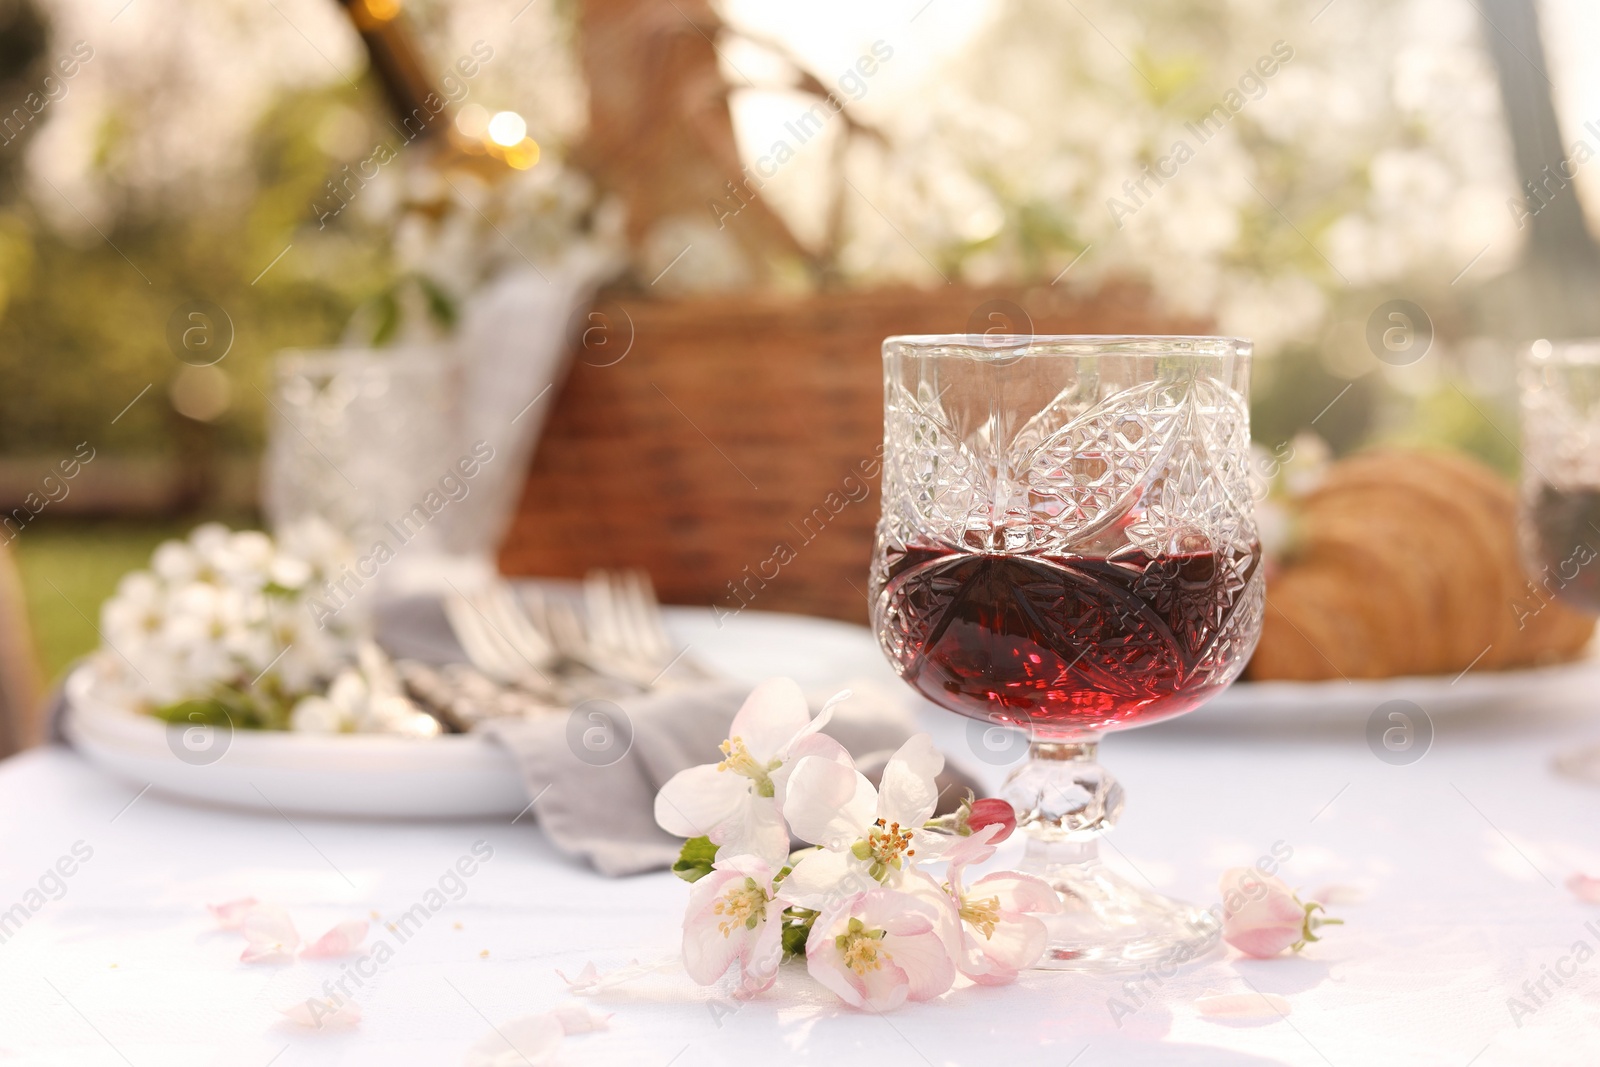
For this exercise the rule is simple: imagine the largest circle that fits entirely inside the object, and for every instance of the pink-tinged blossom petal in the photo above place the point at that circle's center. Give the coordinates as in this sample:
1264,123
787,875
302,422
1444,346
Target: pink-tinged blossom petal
1243,1006
531,1039
996,958
696,801
762,958
930,847
907,792
809,733
822,878
271,935
1001,931
922,886
966,851
323,1013
578,1019
1019,892
1585,888
1261,915
880,948
929,969
755,829
819,745
707,950
733,918
229,916
342,940
771,716
883,986
592,980
997,932
828,803
588,980
736,801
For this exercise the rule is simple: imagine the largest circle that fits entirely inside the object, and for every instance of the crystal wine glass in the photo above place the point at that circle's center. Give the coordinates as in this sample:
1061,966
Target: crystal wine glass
1561,488
1068,546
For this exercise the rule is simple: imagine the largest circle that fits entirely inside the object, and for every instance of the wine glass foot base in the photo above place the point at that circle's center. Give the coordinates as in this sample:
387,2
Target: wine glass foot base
1108,923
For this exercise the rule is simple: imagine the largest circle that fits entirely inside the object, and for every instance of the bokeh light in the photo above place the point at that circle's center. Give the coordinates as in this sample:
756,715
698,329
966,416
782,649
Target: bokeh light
507,128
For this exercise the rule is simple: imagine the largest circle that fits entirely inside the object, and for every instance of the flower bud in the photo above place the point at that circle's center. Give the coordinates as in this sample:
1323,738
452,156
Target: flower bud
1262,916
989,811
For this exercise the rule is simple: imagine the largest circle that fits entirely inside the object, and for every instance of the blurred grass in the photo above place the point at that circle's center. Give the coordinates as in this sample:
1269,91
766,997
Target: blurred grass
69,567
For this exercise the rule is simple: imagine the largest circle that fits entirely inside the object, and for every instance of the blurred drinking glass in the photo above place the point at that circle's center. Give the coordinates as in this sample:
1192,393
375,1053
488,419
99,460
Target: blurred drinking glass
1561,485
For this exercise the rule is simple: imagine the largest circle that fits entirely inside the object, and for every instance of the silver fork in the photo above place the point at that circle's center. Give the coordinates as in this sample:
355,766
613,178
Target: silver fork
502,611
558,621
625,619
497,643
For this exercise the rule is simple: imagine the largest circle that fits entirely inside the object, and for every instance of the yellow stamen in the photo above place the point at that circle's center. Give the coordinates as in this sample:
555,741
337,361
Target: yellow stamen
983,914
737,758
744,905
861,947
883,847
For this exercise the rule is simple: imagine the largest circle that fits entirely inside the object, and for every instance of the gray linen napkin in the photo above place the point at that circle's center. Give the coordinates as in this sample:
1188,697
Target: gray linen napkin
592,782
592,775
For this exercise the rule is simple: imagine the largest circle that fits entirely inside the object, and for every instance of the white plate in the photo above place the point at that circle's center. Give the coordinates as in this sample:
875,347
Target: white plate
454,776
1557,690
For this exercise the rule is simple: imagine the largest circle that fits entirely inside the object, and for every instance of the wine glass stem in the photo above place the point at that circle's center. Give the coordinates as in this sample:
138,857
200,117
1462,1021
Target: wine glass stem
1042,856
1064,800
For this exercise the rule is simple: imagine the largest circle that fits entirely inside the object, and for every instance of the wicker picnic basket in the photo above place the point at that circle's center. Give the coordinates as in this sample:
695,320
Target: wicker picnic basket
738,433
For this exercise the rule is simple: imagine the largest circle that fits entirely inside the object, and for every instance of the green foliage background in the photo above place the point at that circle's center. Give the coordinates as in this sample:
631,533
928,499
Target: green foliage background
83,322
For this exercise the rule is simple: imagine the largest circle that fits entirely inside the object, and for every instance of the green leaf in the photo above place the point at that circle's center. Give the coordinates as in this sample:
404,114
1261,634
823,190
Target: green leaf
206,712
794,936
388,318
797,924
694,861
440,306
226,706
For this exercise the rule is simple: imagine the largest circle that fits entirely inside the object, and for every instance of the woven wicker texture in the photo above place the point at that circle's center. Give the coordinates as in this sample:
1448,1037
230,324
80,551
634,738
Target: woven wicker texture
732,452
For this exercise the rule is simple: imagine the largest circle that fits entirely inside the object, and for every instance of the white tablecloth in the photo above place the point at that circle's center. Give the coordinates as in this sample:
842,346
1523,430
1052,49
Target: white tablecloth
1450,874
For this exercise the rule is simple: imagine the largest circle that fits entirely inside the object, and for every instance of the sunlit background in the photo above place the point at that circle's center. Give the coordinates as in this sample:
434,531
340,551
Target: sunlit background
192,155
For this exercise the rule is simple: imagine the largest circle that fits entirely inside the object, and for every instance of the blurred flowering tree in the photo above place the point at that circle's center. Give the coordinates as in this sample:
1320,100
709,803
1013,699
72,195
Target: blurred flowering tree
1251,163
1280,165
185,159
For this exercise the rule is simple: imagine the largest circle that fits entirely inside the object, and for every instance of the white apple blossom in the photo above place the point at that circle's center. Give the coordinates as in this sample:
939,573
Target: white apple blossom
880,948
867,835
738,802
367,698
221,616
992,929
175,562
734,917
874,926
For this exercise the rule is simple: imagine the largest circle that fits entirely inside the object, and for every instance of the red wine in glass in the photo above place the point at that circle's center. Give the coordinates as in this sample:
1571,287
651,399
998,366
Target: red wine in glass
1067,646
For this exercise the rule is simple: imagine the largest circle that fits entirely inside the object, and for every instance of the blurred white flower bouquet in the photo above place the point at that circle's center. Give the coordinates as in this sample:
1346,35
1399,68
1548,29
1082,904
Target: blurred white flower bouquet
220,628
454,232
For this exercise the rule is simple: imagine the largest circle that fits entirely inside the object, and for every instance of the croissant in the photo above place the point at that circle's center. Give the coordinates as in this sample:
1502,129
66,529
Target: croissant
1406,562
